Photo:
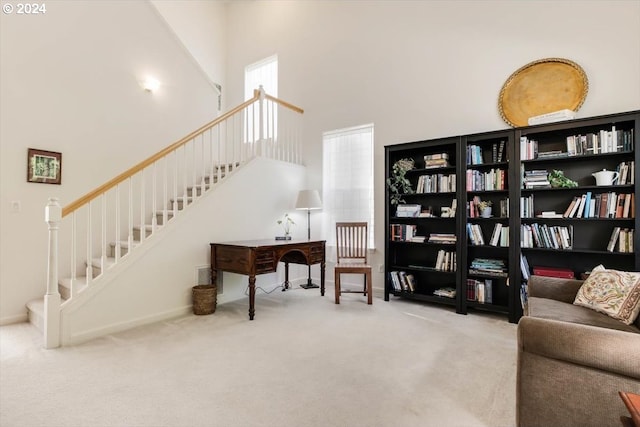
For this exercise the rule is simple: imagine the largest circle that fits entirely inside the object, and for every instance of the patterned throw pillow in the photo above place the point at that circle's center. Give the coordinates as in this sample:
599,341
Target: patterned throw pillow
614,293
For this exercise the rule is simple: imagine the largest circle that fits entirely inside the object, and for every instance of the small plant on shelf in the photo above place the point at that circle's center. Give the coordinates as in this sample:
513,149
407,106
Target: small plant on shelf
558,180
398,183
484,207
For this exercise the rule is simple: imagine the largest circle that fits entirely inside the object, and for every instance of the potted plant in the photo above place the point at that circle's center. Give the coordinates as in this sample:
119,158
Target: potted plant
286,223
398,183
484,207
558,180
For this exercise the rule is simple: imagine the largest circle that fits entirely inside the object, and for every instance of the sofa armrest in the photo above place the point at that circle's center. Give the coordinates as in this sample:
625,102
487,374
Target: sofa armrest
600,348
564,290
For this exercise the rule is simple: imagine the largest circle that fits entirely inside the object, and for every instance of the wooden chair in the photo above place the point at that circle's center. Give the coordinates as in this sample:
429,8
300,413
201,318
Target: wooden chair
351,240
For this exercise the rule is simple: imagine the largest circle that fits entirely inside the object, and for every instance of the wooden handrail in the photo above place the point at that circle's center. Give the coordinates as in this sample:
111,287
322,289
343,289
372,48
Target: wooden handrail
160,154
284,104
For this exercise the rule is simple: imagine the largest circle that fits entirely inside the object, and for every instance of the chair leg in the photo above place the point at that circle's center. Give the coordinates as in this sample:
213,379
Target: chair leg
369,288
364,286
337,281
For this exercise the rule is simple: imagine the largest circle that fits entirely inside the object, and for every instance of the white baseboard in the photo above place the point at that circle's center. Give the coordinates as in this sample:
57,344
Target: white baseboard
18,318
80,337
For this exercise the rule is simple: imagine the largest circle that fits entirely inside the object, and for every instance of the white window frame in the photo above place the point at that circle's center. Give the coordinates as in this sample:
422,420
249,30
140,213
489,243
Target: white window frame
347,175
262,73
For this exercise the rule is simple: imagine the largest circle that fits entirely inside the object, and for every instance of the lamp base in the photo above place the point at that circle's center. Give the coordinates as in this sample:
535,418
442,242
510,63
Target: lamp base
309,285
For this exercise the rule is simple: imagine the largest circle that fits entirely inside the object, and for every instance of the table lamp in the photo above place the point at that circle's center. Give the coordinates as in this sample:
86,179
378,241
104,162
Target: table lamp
308,200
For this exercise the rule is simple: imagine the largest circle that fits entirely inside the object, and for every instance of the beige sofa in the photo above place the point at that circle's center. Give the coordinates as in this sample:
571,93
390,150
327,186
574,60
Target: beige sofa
572,361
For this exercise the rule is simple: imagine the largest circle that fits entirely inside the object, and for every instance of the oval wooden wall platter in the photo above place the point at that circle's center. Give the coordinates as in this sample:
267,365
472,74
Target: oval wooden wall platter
541,87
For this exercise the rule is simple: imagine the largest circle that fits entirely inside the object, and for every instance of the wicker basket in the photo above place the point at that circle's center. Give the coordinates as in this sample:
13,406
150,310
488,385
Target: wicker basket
204,299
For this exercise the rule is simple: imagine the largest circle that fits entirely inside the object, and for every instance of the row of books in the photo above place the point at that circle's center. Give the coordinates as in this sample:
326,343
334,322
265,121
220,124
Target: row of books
446,261
526,207
546,236
489,266
480,290
605,141
621,240
626,173
403,232
494,179
402,282
499,236
436,183
602,205
473,210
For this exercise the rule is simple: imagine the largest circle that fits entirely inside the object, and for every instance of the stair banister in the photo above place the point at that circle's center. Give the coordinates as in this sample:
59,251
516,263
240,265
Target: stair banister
191,165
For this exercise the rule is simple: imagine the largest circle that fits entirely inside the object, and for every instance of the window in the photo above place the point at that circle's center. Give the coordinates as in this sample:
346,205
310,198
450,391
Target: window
347,188
262,73
265,73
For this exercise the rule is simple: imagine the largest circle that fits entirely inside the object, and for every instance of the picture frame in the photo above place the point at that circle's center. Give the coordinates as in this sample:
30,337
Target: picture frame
44,167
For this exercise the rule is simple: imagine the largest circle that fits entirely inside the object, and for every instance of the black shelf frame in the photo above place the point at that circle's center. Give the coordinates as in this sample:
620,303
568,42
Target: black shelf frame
401,255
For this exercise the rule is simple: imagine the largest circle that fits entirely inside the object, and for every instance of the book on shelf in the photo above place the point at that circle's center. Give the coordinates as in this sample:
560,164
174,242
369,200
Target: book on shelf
501,156
480,290
474,155
436,156
549,214
446,238
408,210
446,292
545,236
524,297
613,239
524,267
402,282
403,232
622,240
495,235
436,183
474,232
488,266
604,141
436,163
563,273
555,116
446,261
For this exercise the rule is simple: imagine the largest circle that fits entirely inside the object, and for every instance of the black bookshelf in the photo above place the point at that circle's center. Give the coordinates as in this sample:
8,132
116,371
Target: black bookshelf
475,160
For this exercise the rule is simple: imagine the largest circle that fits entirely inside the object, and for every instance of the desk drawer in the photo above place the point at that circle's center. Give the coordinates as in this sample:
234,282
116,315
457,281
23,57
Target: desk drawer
265,261
316,254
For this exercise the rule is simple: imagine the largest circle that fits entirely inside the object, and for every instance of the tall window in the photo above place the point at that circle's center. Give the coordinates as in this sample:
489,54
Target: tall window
262,73
347,178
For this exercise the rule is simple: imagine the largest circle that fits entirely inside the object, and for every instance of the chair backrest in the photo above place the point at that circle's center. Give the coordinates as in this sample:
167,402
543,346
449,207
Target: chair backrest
351,240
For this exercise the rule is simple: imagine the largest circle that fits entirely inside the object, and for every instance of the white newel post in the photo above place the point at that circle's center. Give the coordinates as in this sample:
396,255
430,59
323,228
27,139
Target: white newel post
53,216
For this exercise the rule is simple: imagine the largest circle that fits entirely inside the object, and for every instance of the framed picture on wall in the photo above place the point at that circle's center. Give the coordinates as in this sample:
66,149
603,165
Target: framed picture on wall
44,166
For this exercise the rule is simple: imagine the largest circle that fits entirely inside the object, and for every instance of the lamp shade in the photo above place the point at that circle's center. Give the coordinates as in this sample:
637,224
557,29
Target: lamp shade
308,199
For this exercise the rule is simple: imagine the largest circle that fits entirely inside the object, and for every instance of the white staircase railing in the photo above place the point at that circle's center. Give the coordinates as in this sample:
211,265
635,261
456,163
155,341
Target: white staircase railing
99,230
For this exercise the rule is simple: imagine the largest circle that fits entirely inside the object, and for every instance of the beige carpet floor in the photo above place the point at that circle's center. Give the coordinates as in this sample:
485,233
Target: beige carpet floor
303,361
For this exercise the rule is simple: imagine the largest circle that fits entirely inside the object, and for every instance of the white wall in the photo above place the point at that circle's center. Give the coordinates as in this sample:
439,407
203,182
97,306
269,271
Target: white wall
201,27
156,282
426,69
69,82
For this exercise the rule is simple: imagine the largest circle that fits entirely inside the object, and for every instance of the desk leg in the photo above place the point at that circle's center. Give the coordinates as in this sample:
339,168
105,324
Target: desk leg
252,296
322,278
286,276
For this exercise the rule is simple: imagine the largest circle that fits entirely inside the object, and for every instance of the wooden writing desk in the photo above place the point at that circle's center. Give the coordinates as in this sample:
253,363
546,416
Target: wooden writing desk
253,257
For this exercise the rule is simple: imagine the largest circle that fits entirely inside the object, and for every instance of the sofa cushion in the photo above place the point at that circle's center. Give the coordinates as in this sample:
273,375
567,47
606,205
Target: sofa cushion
556,310
614,293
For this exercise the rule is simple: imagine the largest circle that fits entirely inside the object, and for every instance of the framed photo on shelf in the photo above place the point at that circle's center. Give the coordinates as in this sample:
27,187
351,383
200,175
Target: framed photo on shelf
44,167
